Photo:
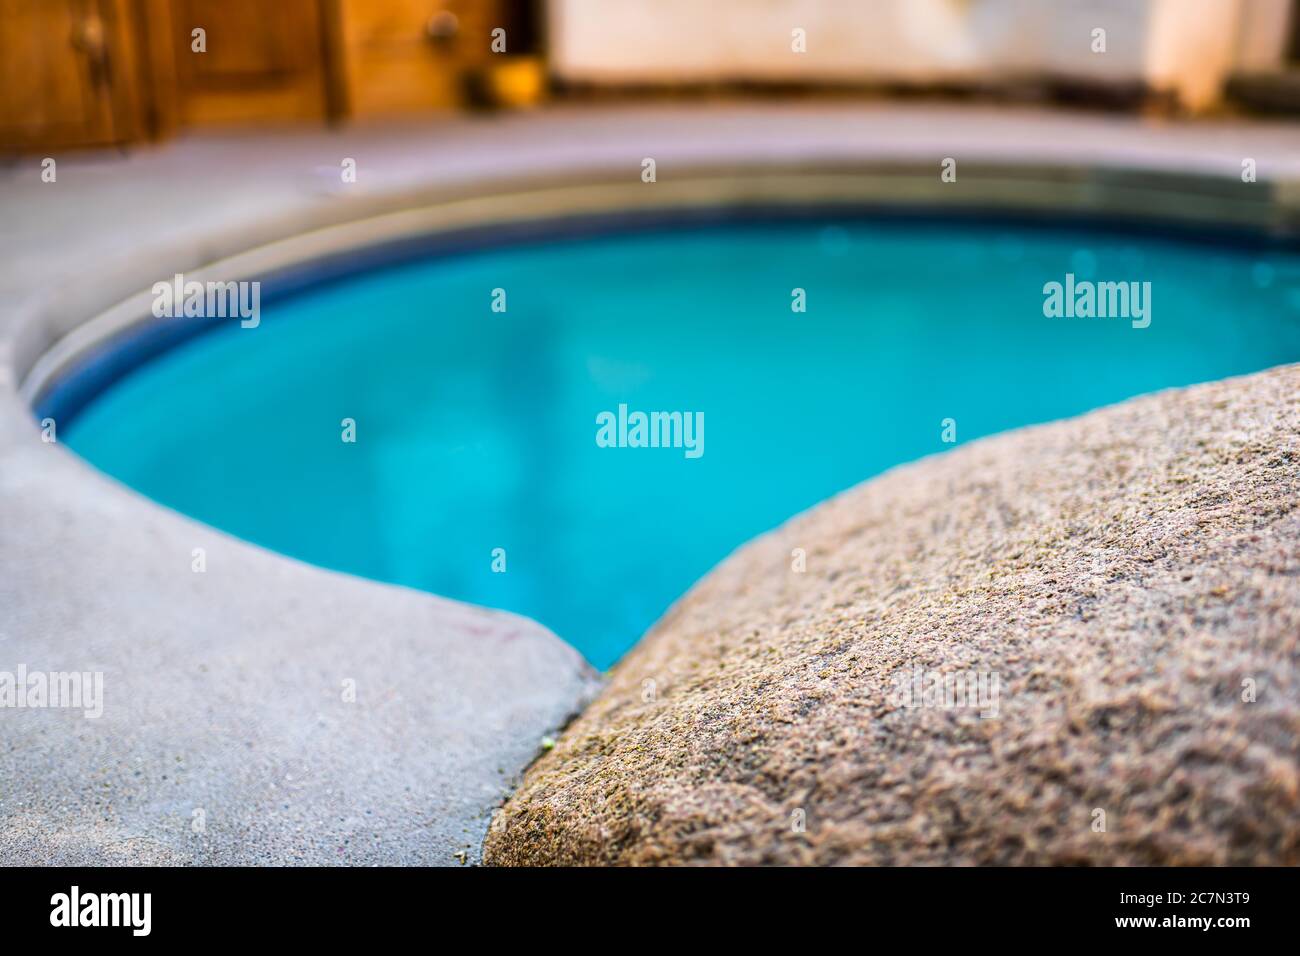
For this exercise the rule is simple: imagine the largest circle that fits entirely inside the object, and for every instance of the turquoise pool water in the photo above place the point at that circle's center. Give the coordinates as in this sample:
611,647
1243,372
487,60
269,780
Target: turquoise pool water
477,430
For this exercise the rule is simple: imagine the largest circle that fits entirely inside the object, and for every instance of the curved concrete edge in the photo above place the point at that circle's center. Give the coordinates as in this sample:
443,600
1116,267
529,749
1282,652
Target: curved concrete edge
261,712
254,216
53,330
1131,577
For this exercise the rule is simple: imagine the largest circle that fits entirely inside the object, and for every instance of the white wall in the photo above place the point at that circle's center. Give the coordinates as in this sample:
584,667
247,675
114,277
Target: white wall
1183,45
1264,29
1192,46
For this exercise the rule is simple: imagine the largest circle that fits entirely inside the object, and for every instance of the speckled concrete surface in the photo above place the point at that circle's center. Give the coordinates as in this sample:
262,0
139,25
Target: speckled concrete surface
1131,577
183,203
226,734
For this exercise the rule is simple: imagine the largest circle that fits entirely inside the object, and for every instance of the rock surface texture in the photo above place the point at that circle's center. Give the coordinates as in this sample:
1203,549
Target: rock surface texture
1131,578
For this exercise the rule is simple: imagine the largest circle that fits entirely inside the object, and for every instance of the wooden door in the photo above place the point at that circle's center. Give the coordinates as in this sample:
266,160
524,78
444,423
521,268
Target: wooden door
67,74
256,60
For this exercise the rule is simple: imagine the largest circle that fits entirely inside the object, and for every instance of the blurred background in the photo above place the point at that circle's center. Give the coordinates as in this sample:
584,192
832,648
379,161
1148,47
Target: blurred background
86,73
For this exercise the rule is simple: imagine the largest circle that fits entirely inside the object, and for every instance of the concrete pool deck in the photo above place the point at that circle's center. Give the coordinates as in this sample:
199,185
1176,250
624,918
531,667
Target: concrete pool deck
227,735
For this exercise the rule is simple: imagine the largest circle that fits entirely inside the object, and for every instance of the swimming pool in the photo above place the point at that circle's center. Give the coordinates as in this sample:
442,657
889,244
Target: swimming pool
494,458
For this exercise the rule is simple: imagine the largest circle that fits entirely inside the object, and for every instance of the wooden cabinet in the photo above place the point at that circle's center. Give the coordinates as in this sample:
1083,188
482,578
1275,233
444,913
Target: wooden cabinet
67,74
408,56
400,56
260,61
97,72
